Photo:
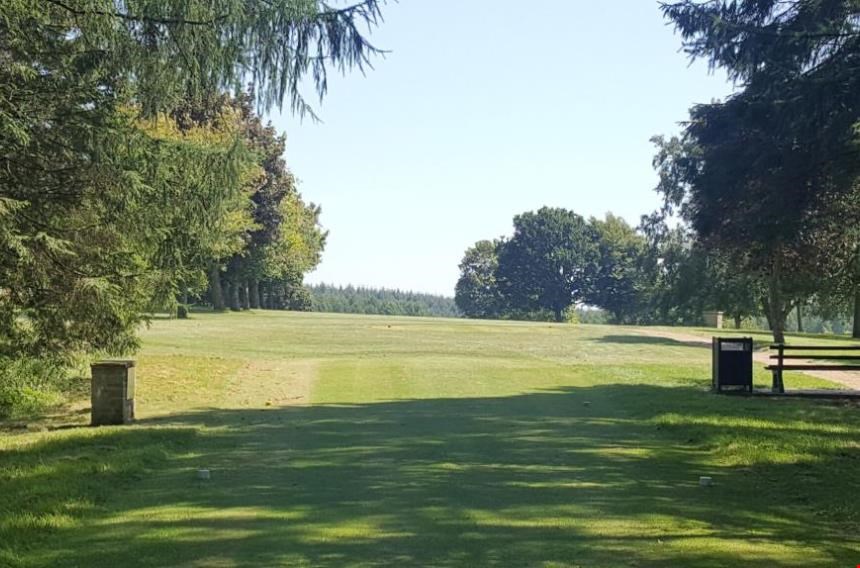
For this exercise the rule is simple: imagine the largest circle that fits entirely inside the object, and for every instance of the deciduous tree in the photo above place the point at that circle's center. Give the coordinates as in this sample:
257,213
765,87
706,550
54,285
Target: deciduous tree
550,262
477,292
620,283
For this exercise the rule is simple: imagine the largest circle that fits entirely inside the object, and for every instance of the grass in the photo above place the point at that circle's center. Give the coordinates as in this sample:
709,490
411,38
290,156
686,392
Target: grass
373,441
764,339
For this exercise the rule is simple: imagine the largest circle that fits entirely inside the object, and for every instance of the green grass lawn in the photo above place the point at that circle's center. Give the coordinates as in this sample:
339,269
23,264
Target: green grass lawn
764,339
371,441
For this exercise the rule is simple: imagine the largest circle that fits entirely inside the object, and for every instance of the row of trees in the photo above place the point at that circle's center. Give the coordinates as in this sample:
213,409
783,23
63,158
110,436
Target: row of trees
133,174
651,274
554,260
761,196
379,301
275,237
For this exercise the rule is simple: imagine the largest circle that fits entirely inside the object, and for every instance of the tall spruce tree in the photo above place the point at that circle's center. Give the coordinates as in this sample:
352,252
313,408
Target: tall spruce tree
786,228
777,163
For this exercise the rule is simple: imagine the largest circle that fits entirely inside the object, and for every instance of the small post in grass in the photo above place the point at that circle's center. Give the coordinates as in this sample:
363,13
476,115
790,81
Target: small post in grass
112,392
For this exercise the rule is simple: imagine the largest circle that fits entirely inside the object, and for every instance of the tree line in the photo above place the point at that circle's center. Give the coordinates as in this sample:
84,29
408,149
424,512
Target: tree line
136,173
379,301
557,260
274,237
557,263
761,198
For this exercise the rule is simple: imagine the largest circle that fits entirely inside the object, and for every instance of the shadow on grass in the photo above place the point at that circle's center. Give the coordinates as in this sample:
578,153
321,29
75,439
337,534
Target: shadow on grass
600,476
649,340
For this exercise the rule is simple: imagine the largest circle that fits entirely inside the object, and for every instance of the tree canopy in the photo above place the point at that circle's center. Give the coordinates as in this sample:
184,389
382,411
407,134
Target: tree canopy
549,262
769,177
557,260
133,165
477,292
379,301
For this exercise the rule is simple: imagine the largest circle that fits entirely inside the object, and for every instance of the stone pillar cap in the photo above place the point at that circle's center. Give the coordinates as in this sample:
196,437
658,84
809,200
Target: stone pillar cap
127,363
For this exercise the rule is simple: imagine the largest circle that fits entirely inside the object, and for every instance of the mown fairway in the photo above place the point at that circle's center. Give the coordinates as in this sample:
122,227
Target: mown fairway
373,441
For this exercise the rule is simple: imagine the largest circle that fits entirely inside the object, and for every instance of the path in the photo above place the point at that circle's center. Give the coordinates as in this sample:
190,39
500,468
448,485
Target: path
844,378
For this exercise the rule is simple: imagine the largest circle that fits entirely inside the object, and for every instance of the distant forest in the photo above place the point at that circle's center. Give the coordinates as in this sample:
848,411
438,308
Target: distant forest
379,301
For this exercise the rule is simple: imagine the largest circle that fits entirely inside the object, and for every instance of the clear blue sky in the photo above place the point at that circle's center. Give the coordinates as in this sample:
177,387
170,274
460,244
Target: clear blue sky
482,110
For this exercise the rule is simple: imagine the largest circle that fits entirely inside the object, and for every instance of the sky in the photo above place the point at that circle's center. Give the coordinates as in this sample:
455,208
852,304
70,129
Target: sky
481,110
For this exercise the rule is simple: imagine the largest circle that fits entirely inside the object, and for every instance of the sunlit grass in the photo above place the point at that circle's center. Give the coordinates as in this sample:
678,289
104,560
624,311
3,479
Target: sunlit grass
369,441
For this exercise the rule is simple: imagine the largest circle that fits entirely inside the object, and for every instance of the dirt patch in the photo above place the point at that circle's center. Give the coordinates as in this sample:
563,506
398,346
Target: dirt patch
273,383
844,378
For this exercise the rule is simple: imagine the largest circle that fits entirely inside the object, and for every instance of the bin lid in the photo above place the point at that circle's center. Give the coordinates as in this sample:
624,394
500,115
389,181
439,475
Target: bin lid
734,343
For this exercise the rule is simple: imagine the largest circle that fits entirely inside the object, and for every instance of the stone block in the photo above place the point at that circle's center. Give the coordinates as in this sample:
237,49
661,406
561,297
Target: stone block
112,392
713,319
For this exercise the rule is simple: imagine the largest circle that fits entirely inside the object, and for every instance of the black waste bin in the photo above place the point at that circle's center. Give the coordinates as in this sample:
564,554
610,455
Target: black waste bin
733,363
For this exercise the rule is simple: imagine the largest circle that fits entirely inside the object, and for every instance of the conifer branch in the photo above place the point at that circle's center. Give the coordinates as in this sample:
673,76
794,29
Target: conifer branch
137,18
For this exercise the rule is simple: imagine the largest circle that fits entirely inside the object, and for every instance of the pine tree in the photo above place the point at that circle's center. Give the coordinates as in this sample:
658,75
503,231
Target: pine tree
773,182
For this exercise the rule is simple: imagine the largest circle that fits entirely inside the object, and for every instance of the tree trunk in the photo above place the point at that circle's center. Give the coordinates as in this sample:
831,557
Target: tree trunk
254,293
775,302
234,297
799,318
265,303
228,290
182,308
738,321
243,296
280,296
856,331
216,294
273,295
779,329
559,315
766,306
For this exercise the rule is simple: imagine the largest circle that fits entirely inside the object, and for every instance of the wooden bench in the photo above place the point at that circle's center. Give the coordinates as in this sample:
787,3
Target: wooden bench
821,354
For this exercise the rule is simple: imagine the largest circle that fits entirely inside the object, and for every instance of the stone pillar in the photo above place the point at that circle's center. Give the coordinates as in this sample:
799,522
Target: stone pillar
713,319
112,392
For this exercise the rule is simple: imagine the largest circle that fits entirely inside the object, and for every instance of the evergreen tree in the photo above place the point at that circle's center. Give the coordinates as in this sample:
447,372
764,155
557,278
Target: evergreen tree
773,180
101,208
379,301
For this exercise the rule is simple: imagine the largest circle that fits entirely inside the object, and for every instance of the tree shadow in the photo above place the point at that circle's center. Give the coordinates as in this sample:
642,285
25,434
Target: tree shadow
649,340
597,476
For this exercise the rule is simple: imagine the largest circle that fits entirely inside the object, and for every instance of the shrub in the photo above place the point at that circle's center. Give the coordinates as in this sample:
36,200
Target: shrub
592,316
29,386
571,315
